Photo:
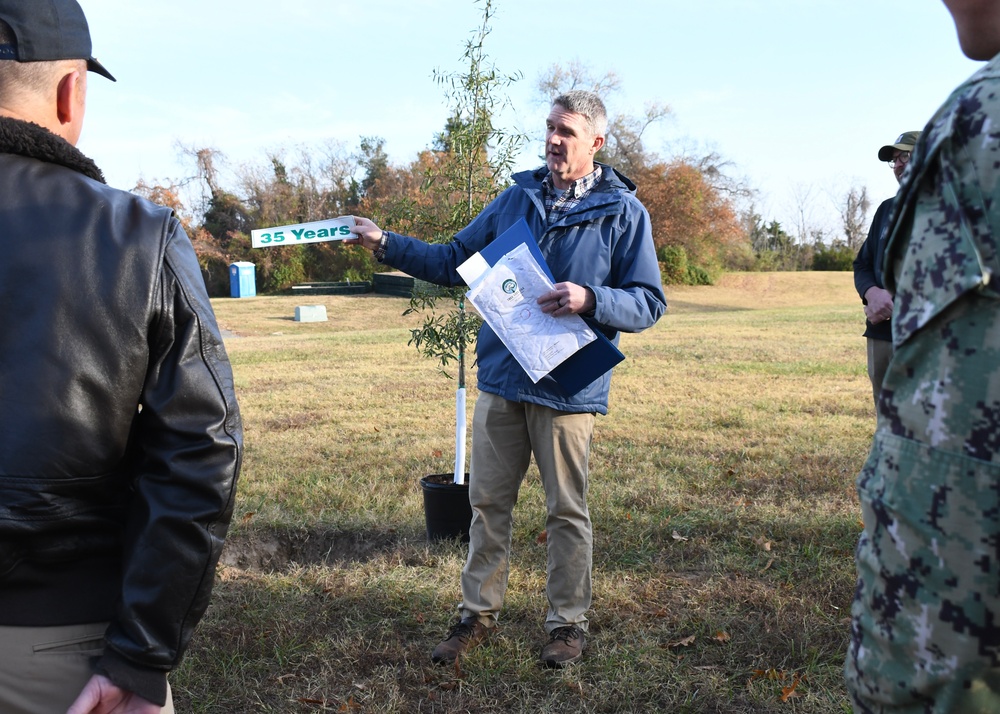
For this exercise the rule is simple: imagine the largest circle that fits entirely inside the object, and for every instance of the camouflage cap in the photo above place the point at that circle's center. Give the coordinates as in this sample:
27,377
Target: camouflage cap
905,142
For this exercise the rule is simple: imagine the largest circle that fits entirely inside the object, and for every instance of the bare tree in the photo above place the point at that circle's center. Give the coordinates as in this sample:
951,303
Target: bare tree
624,148
804,198
576,75
854,216
206,180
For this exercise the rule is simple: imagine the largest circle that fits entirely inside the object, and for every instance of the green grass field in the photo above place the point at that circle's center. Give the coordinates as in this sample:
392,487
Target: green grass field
722,494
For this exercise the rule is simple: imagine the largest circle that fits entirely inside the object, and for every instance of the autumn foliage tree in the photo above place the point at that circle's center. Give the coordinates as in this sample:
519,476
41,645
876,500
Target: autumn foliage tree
694,225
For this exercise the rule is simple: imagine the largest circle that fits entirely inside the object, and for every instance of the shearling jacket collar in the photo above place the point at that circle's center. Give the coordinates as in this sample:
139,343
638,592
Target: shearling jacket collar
35,142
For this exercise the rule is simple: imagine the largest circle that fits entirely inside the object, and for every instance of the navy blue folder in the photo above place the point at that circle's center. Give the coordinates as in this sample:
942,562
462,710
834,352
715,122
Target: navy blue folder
589,362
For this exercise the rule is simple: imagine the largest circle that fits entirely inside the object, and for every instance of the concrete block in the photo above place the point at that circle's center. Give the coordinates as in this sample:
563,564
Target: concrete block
310,313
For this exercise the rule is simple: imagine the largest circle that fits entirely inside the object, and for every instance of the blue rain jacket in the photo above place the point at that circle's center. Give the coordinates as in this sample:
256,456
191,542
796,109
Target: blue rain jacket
604,243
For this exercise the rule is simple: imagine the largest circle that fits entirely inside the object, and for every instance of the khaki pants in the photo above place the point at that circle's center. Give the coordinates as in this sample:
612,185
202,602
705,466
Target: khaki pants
879,356
44,669
505,434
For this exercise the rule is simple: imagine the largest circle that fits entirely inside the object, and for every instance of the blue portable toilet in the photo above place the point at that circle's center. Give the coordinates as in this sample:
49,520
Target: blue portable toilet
242,282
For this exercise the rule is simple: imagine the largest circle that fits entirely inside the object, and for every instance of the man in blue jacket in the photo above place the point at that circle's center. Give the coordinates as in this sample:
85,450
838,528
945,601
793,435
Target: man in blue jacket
596,239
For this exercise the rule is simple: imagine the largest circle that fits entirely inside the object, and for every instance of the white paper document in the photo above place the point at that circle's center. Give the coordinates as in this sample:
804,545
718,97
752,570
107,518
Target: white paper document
506,295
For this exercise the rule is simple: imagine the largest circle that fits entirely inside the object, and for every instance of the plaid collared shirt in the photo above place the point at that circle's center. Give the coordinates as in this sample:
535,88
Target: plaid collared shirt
556,206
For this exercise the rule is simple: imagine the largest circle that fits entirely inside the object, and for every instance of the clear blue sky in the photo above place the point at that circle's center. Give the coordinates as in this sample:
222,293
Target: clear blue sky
799,94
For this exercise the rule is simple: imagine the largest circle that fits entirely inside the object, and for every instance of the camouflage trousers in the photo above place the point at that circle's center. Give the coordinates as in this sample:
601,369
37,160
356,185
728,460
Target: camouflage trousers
925,631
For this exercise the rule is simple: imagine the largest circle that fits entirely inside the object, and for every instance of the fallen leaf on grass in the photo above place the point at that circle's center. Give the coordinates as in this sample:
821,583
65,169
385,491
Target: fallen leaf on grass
771,674
349,706
789,691
542,538
774,675
248,516
769,564
677,536
721,636
763,543
436,453
683,642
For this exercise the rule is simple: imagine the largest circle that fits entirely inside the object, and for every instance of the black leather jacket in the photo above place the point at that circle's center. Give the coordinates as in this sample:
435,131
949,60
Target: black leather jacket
120,436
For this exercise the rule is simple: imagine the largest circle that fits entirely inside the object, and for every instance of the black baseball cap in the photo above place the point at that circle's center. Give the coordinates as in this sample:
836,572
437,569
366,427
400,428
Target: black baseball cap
48,30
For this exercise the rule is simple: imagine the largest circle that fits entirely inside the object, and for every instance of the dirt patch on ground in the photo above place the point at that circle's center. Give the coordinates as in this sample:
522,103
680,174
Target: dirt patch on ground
277,549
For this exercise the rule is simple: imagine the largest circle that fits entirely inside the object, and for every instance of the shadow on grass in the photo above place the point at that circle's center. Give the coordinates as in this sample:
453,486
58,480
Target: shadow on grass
278,549
321,619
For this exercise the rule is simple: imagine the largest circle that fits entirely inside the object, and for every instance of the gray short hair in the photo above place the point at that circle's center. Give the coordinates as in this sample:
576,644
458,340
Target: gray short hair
588,105
18,77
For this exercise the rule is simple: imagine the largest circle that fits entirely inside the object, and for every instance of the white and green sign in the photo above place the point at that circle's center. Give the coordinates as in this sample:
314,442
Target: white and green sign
315,232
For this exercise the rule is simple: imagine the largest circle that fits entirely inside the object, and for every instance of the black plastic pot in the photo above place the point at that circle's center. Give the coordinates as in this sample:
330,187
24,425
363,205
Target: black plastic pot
446,507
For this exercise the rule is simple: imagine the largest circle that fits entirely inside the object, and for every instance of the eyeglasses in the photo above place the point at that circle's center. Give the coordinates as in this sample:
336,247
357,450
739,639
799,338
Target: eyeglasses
902,159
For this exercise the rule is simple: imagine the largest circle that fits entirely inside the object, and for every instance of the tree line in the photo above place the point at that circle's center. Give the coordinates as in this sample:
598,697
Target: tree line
703,217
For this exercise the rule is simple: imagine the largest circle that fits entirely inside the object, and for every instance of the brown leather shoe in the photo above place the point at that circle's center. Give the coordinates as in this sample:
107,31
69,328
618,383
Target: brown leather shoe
465,635
565,646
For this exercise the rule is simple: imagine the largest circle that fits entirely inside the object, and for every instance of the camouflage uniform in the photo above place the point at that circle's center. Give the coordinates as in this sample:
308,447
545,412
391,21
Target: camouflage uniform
925,633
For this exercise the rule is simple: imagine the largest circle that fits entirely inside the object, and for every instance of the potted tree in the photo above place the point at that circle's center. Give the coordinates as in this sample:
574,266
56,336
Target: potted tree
447,511
471,164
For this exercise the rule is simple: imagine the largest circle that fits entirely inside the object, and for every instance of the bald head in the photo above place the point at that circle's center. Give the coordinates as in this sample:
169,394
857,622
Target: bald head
20,77
51,94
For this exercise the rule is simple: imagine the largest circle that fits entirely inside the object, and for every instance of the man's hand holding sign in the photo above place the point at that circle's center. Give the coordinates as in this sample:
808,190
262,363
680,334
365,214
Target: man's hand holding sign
315,232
